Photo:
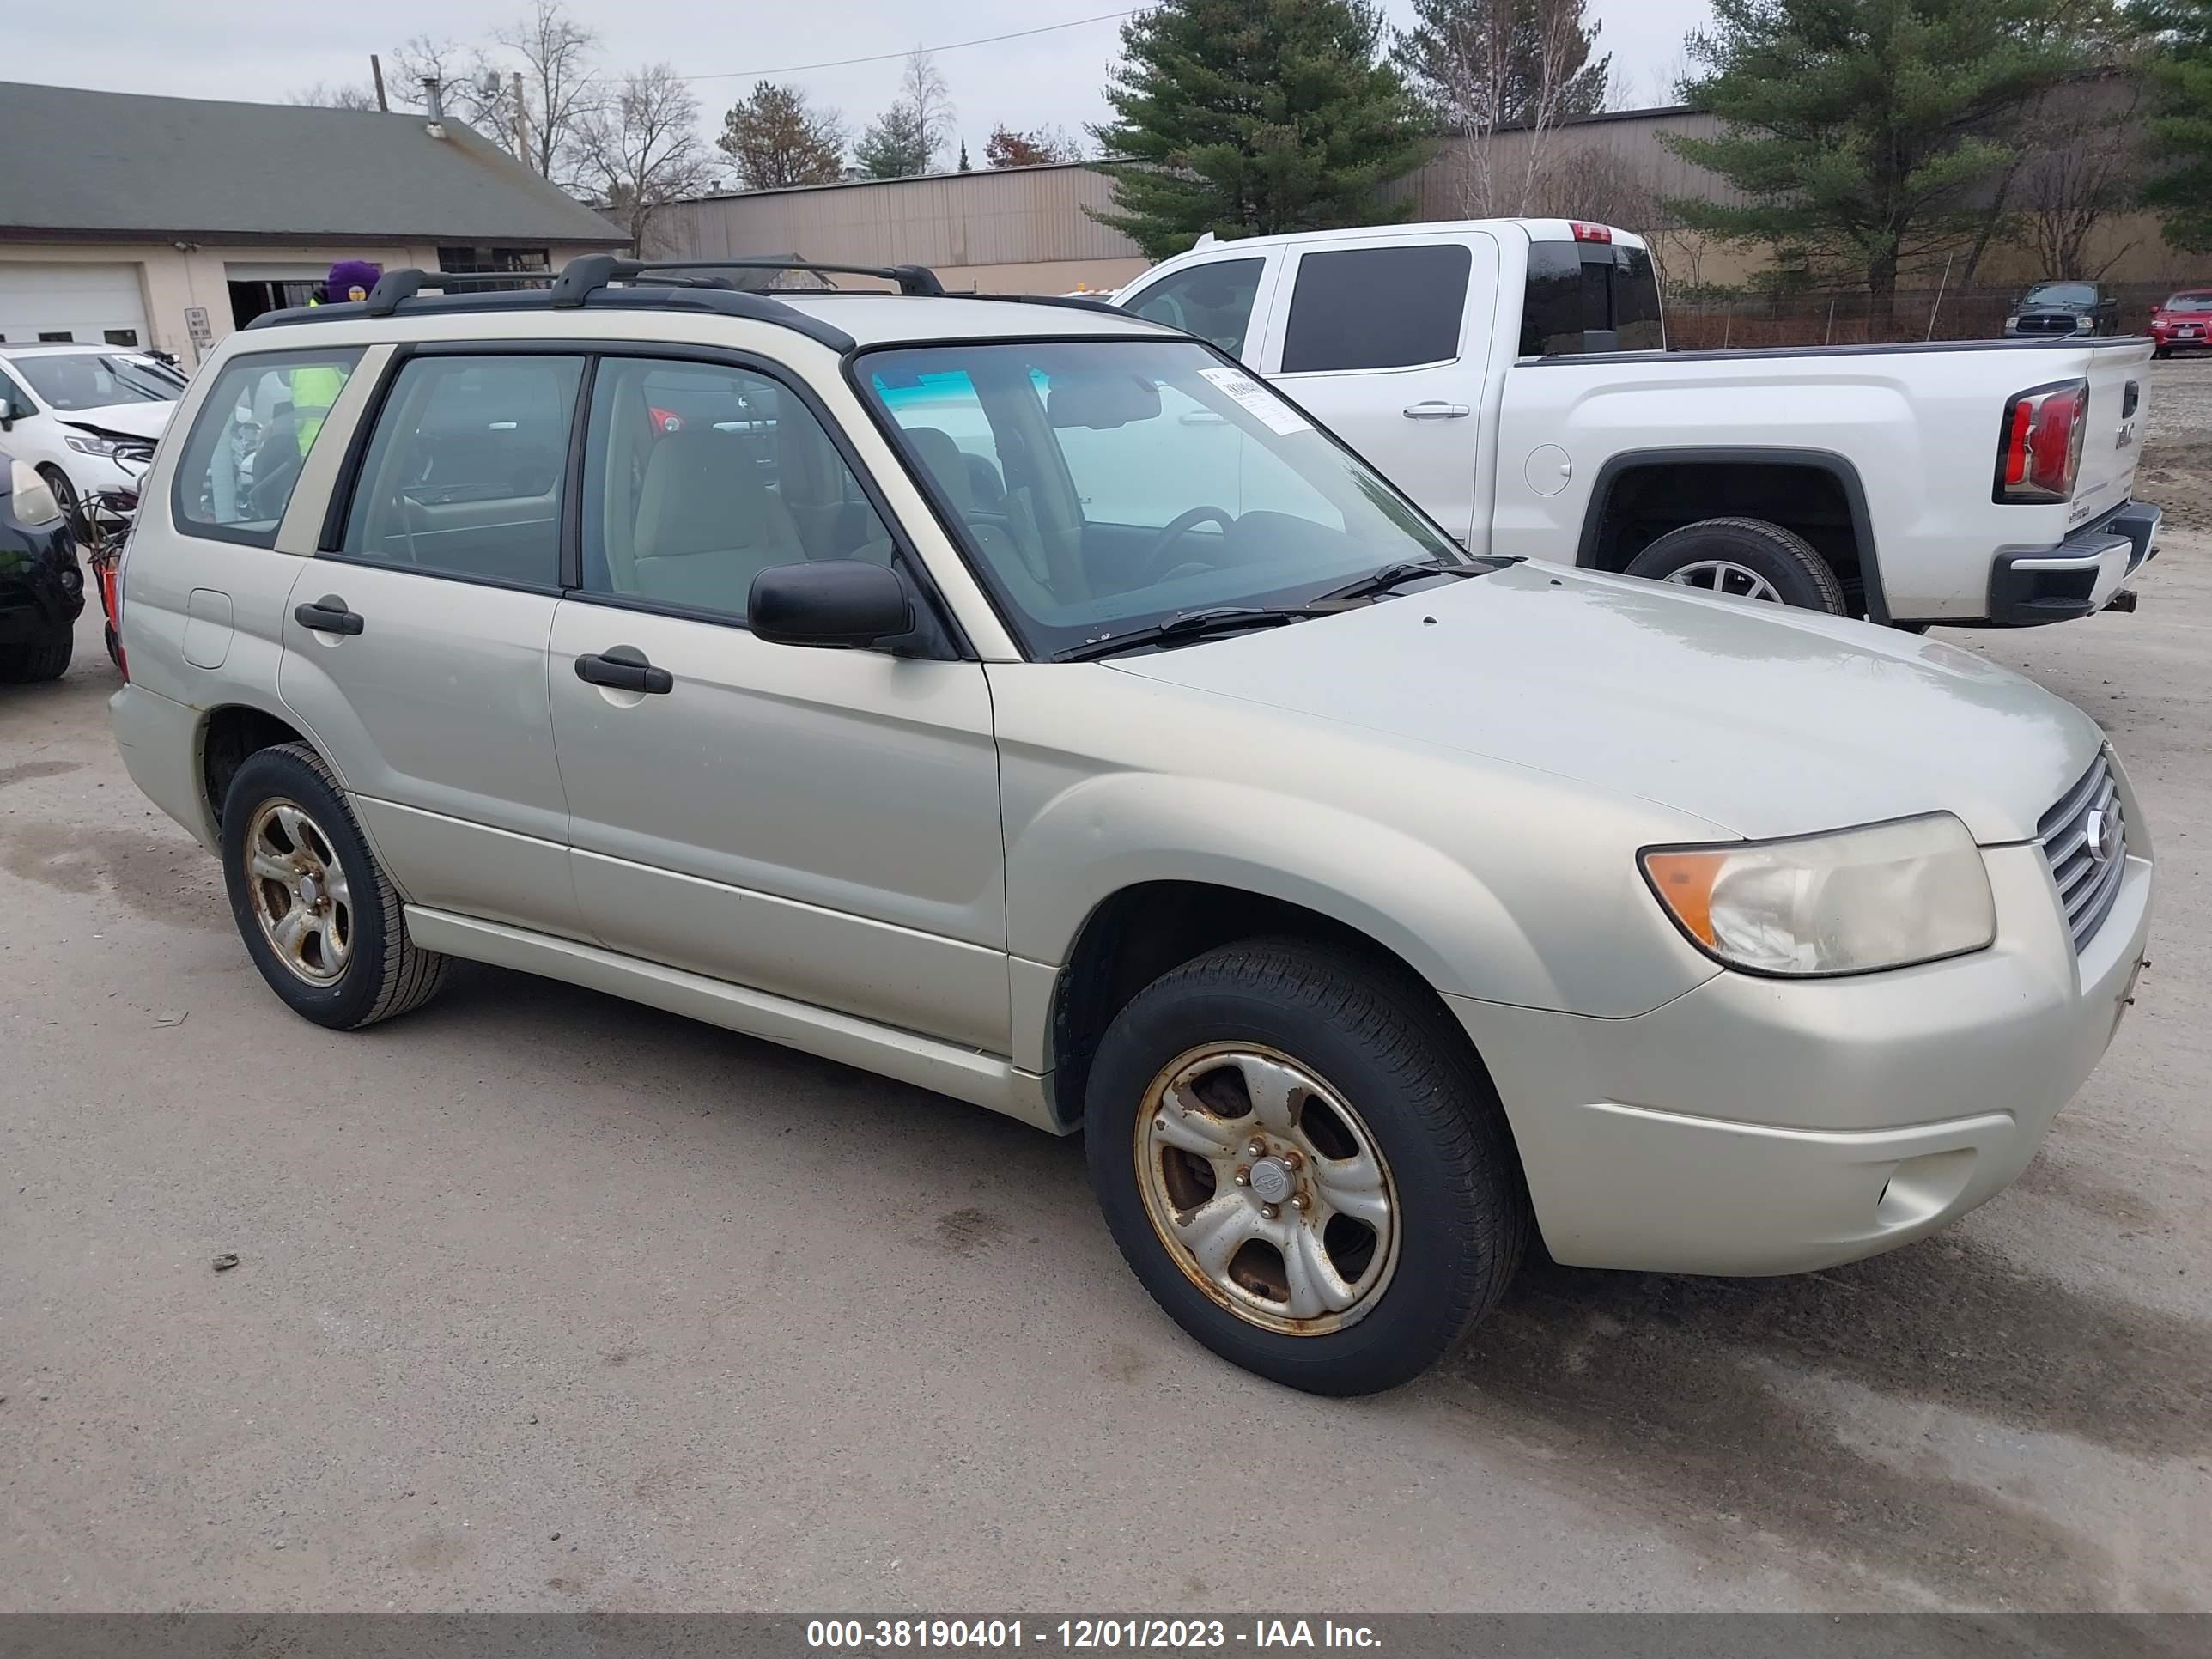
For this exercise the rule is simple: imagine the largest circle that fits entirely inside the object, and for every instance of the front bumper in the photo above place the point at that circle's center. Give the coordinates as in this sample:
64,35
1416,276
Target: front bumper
1761,1125
2032,586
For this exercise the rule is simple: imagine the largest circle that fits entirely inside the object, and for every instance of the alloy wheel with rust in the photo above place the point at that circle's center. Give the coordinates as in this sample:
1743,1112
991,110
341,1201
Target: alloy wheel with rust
299,893
1267,1188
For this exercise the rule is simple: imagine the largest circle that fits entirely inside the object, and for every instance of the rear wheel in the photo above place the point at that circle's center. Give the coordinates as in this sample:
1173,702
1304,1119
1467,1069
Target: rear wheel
1744,559
1304,1165
318,915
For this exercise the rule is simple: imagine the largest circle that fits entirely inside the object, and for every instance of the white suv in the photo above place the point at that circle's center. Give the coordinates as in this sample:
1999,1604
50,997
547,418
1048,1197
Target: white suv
890,675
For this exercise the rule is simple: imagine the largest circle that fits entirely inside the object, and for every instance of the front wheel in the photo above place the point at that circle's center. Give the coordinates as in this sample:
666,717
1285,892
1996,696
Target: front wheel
1744,559
1304,1165
43,657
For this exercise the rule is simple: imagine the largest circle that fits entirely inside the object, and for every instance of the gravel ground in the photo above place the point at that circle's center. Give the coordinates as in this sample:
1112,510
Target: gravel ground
2177,463
544,1300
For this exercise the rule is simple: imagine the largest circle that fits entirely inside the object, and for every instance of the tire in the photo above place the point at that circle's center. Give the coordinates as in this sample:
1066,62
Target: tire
2163,352
1783,560
46,658
355,964
1449,1184
114,645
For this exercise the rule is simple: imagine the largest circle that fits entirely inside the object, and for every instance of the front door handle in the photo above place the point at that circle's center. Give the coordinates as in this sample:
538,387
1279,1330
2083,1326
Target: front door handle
328,614
623,668
1436,410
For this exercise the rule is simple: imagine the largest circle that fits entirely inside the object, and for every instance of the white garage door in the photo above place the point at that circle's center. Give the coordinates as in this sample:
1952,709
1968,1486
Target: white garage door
88,303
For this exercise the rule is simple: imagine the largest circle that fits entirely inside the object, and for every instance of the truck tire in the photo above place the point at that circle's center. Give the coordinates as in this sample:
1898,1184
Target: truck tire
1747,558
1304,1165
319,916
42,658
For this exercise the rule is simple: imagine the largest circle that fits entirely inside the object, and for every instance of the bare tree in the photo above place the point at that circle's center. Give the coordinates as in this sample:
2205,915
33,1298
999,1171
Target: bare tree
1488,66
923,91
2087,167
641,149
327,96
560,85
470,84
1596,181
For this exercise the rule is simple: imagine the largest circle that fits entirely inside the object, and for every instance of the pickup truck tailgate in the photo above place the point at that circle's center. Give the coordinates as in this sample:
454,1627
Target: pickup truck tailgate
2112,443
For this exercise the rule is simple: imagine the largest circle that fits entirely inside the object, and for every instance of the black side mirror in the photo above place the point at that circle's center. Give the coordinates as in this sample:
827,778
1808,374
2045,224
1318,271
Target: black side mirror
830,602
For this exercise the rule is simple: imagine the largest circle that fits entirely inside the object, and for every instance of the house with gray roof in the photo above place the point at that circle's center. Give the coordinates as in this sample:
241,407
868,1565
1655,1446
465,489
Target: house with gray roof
168,222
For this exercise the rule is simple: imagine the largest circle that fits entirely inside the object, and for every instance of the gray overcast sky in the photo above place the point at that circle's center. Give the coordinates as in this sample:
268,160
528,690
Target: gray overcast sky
264,49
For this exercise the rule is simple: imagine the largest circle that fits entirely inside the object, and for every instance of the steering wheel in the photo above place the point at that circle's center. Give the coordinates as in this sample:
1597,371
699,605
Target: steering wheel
1182,526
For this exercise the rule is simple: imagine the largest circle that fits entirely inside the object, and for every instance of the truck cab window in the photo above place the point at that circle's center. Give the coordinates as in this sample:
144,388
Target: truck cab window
1377,308
1213,301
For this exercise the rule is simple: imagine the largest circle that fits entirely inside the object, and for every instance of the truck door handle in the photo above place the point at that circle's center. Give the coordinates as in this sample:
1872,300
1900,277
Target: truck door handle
1436,410
623,668
328,614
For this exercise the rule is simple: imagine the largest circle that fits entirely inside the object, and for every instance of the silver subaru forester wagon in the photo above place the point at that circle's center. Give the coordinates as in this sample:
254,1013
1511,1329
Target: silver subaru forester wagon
1020,699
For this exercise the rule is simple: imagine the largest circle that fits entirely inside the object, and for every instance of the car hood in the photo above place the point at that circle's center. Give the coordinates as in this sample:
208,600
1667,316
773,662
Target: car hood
1763,721
128,420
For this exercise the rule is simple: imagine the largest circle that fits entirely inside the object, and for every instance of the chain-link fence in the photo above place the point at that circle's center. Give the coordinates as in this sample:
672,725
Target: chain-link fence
1700,322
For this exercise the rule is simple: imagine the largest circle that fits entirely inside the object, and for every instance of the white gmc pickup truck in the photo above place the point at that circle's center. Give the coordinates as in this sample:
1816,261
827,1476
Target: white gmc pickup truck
1512,376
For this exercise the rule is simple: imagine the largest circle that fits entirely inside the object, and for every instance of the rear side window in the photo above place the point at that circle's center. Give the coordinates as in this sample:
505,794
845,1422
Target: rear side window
1213,301
464,473
243,456
1377,308
1589,296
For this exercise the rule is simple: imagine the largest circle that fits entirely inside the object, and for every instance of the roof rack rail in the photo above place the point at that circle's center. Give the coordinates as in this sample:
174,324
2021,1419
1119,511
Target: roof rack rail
582,275
394,286
1072,301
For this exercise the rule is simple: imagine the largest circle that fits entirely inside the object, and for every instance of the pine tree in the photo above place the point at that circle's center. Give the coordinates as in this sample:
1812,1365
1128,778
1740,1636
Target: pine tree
1861,131
1249,117
965,166
897,145
775,140
2181,132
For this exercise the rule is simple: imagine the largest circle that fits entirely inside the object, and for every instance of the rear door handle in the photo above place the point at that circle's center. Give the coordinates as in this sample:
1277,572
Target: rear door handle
328,614
623,668
1436,410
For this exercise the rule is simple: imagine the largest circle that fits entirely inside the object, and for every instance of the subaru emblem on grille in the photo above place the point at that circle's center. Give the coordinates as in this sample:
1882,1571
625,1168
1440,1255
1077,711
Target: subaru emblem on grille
2102,834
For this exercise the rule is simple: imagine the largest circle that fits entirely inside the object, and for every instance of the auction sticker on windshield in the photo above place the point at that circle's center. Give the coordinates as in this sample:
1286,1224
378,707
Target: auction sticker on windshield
1257,400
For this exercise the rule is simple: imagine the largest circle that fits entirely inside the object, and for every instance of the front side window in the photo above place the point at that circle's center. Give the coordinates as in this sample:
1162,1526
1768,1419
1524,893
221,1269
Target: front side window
1213,301
698,477
1102,486
242,458
1377,308
463,474
93,379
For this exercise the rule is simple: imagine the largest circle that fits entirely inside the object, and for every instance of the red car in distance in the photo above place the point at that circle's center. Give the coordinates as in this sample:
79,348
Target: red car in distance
2183,323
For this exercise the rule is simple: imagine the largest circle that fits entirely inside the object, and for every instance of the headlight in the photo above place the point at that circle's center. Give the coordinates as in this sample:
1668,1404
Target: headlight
86,443
34,497
1847,902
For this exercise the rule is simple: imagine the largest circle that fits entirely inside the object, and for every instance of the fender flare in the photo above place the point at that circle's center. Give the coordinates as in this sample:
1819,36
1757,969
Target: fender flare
1837,467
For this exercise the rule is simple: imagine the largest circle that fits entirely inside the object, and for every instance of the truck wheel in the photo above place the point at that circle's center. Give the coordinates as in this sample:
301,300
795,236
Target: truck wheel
1302,1165
1744,559
319,919
42,658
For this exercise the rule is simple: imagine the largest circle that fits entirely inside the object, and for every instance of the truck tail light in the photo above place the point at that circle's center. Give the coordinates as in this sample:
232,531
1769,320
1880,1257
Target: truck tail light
1589,233
2040,445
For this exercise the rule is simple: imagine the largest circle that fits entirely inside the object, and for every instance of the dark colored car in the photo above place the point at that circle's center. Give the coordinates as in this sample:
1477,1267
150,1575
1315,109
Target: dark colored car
2051,309
41,585
2183,322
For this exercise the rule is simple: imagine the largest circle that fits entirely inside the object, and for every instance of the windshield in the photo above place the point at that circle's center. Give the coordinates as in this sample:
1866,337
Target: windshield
2190,302
1102,487
2063,293
93,379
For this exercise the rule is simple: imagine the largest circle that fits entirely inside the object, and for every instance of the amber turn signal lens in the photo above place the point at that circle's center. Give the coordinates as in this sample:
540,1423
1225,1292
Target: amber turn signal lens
1685,884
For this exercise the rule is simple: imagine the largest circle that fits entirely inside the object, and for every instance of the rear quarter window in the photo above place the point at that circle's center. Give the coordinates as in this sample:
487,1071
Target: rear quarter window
1589,296
243,459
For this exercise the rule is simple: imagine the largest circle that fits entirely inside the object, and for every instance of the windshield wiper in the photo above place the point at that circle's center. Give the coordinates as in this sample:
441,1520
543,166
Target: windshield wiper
1193,625
1390,575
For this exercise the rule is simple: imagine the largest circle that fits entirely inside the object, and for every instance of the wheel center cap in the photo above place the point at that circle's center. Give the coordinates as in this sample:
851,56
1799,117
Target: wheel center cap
1271,1181
310,891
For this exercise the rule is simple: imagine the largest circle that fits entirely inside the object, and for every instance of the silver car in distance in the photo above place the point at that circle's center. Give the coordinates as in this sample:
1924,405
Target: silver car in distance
1022,700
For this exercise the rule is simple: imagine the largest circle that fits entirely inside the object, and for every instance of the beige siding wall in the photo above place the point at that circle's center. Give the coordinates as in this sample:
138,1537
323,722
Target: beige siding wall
1026,230
171,279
